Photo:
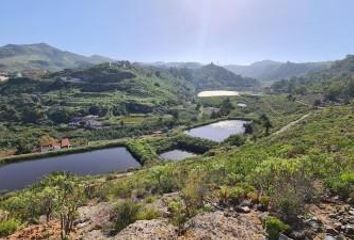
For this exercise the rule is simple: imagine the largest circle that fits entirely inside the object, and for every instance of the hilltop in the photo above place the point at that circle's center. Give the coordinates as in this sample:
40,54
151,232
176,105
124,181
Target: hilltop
41,56
335,84
270,71
212,77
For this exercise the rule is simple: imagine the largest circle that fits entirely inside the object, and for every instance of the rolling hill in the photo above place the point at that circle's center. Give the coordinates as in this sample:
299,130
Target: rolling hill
270,71
42,56
333,84
210,77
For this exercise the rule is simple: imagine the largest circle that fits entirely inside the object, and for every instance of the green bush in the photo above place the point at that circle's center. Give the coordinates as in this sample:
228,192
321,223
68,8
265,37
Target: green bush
274,227
148,213
162,179
264,200
343,185
125,213
8,227
194,192
236,140
234,195
223,194
178,213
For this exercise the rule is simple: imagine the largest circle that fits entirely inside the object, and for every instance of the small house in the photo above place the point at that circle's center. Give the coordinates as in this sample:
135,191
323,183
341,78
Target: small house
65,143
55,146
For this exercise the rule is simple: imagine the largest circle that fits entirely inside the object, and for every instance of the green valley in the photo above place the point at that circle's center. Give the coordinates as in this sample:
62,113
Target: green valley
286,171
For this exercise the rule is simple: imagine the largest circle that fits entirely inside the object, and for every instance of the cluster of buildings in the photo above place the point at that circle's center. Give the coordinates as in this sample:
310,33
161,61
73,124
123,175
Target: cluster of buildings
56,145
89,122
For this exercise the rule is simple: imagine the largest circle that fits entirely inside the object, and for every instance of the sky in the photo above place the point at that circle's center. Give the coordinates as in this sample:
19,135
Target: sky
219,31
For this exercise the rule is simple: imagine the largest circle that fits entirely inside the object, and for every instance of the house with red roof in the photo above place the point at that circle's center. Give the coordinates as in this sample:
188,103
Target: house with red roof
54,146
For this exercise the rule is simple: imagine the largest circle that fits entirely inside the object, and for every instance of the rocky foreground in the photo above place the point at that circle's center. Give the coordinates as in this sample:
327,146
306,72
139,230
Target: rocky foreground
331,220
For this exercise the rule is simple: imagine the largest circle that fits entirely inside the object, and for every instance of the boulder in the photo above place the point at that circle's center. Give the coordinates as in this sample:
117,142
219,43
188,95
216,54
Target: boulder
349,229
329,237
284,237
243,209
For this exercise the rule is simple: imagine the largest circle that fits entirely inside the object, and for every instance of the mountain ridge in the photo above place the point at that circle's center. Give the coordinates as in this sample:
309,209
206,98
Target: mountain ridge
270,71
42,56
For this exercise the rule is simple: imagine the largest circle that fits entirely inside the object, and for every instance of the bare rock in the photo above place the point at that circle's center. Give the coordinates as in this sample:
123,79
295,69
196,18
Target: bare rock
284,237
244,209
148,229
216,225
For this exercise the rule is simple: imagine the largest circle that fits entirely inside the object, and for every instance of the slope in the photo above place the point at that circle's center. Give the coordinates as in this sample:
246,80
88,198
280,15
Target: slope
42,56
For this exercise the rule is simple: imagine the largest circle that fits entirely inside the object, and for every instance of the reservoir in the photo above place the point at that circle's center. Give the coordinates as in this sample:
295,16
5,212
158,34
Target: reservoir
176,155
18,175
218,131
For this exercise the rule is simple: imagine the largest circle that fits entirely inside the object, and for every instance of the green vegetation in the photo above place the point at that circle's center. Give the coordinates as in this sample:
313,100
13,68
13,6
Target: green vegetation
274,227
126,212
335,84
268,71
8,227
43,57
147,110
59,196
277,170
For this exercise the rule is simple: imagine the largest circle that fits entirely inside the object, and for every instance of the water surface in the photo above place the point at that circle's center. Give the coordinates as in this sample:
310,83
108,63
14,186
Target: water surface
218,93
21,174
218,131
176,155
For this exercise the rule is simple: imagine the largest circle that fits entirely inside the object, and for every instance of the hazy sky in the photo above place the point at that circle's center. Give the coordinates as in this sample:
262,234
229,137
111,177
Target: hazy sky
222,31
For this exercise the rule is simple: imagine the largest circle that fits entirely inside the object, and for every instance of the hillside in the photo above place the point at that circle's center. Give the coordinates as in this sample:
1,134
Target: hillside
42,56
292,183
128,99
213,77
335,84
270,71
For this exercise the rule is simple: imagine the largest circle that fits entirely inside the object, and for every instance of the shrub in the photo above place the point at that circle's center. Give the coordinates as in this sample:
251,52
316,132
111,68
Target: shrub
223,194
288,206
236,140
264,200
123,189
287,183
274,227
237,194
234,195
194,193
178,213
343,185
8,227
125,213
148,213
163,179
150,199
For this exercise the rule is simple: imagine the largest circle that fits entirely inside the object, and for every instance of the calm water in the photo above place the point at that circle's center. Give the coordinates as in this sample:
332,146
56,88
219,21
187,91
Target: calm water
18,175
176,155
218,131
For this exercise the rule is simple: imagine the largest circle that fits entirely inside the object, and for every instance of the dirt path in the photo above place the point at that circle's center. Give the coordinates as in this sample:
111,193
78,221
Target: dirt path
289,125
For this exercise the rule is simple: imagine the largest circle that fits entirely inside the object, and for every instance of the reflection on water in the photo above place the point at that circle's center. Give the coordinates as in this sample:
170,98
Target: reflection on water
176,155
218,131
18,175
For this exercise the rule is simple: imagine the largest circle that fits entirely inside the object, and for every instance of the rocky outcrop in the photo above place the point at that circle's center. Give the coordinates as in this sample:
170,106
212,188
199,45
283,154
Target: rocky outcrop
331,221
218,225
148,229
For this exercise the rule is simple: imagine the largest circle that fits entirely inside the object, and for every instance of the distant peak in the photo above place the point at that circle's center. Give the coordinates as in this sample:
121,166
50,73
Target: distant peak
42,44
266,61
